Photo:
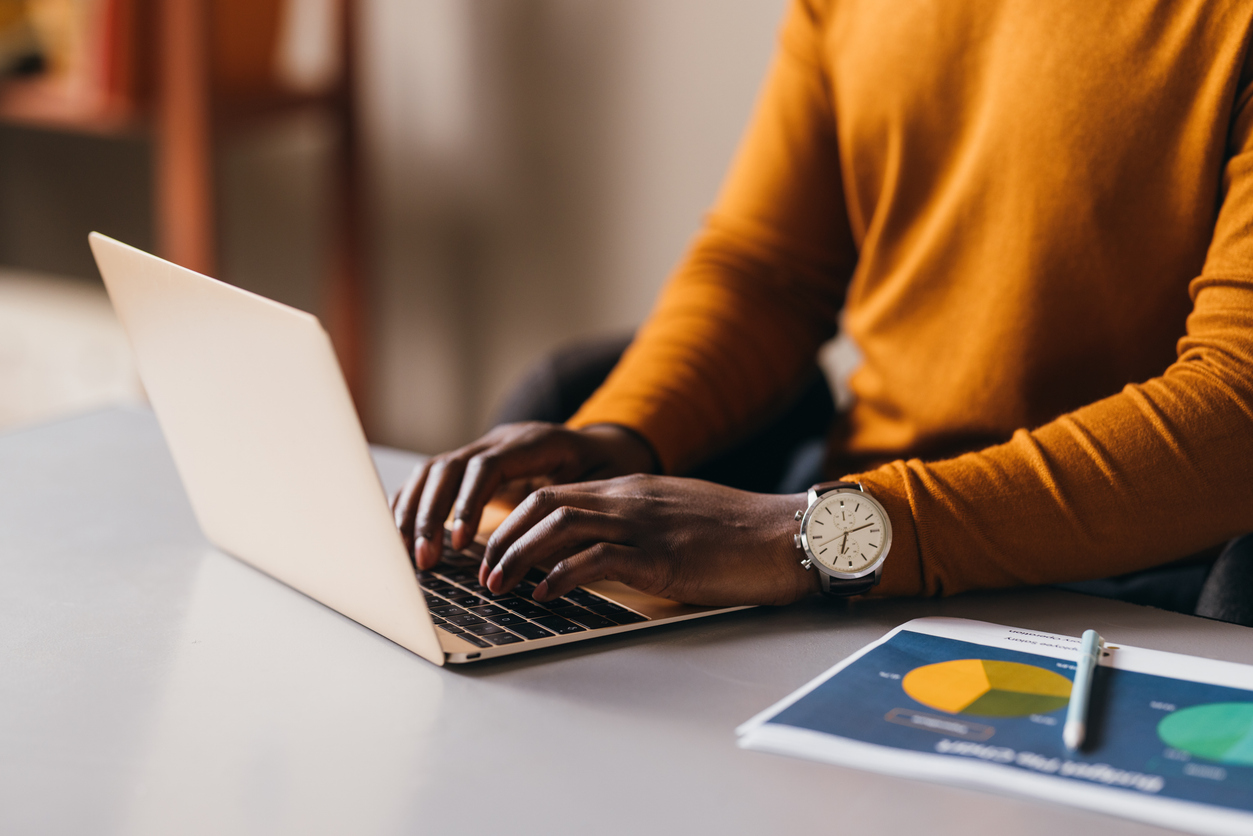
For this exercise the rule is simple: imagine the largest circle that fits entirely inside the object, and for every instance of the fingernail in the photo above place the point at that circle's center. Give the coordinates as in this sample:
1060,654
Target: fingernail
495,580
460,534
541,591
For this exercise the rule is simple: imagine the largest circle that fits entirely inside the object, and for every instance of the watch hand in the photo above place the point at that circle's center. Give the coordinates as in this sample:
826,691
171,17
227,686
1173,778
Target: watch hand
858,528
844,543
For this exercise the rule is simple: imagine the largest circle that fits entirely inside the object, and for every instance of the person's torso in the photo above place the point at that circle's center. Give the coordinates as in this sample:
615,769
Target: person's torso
1031,186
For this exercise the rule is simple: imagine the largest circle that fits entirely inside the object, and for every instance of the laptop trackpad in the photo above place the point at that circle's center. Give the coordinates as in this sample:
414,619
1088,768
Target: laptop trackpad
643,603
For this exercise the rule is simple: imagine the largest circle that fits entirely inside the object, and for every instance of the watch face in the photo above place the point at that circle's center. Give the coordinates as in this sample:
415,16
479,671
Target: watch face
847,532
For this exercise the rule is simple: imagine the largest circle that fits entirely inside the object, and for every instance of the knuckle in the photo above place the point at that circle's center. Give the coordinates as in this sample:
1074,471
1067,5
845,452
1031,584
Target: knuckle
483,462
498,432
543,497
636,484
455,460
563,517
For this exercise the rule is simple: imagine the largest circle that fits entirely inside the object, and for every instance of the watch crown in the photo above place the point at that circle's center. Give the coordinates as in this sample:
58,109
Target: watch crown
796,538
798,516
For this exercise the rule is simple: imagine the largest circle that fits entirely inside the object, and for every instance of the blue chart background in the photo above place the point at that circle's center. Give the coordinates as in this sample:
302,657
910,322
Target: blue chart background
1123,730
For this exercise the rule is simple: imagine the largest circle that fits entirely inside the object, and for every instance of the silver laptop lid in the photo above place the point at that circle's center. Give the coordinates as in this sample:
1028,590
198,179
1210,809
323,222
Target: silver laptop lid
262,429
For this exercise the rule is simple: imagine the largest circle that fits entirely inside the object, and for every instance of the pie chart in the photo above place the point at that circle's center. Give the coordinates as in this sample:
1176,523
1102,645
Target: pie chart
1218,731
987,688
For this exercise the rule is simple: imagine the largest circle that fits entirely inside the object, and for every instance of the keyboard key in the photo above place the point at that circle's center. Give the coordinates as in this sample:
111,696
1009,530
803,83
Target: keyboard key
526,609
483,629
522,589
627,617
559,604
487,611
506,619
607,609
584,598
558,624
437,621
465,620
503,638
446,611
529,631
452,628
462,575
590,620
434,601
467,601
474,640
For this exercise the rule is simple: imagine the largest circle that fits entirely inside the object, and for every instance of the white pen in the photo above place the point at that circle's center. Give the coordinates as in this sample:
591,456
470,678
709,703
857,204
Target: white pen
1076,727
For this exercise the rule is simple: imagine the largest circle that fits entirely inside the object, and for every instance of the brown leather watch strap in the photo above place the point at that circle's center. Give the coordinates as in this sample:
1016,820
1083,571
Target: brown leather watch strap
844,587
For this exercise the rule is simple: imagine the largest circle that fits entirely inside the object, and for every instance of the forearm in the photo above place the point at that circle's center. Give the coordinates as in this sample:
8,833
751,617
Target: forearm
725,345
1154,473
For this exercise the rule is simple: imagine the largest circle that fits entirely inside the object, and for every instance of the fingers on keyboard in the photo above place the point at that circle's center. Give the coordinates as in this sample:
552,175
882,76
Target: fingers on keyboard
460,605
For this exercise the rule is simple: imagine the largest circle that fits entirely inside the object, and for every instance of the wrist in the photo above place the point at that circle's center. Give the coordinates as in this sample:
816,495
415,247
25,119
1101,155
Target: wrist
624,451
780,544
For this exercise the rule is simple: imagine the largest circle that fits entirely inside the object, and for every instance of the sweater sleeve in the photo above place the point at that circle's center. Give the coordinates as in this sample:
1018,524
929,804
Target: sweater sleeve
760,289
1160,470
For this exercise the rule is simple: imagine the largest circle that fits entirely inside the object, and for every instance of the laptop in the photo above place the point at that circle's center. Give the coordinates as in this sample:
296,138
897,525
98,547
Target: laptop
253,405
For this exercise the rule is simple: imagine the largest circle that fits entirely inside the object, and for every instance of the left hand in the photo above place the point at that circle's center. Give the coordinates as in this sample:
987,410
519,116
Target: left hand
683,539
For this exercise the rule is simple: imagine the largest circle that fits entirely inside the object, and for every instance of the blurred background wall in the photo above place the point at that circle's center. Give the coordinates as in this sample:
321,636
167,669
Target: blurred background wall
534,170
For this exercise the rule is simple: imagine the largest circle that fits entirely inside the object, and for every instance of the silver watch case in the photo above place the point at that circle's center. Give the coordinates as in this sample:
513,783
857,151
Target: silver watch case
802,539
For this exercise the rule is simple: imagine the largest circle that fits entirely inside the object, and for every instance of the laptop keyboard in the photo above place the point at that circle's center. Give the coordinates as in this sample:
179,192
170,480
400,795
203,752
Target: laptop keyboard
460,604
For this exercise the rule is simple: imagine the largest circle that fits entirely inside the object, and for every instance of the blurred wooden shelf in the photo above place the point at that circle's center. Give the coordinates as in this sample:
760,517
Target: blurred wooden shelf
185,73
37,104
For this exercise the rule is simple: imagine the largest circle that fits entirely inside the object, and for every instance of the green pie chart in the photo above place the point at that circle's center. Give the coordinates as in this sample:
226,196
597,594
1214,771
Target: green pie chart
1219,731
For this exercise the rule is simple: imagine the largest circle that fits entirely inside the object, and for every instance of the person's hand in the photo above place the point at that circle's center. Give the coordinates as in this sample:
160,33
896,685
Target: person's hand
684,539
465,480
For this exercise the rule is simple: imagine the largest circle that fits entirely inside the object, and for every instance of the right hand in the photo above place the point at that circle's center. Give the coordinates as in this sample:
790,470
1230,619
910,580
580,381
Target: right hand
464,480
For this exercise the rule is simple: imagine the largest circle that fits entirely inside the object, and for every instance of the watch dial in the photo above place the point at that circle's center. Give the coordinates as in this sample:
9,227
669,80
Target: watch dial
846,532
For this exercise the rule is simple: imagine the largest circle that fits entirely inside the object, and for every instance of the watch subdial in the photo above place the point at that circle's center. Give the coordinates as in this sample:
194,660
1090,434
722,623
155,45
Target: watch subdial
851,556
843,518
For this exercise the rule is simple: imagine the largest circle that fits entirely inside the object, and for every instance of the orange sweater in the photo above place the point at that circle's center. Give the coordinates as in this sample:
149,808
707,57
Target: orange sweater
1038,219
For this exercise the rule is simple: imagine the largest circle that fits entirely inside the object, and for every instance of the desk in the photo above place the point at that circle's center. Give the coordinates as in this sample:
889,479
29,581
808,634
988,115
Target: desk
150,684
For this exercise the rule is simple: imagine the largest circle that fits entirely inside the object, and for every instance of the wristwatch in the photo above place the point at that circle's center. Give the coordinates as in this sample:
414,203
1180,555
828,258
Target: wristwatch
845,534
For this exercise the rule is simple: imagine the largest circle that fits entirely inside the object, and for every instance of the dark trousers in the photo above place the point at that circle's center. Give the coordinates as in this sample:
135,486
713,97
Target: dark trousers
786,456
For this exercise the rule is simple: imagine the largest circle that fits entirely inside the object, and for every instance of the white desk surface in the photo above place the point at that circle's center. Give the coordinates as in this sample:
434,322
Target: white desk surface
151,685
